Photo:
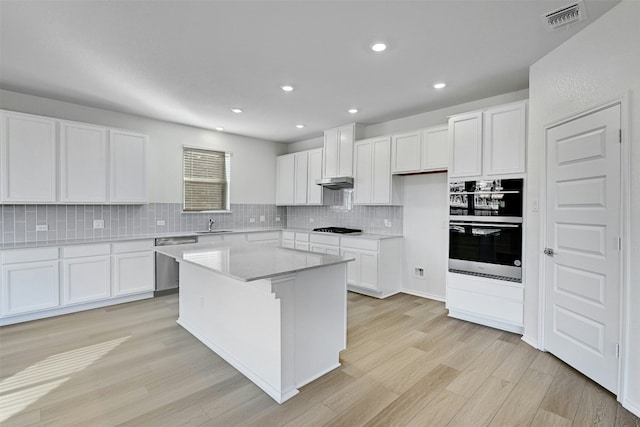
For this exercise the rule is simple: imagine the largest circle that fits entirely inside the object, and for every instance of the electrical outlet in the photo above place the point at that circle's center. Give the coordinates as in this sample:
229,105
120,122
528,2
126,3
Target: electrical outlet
42,227
418,272
311,220
262,218
534,206
277,219
160,222
98,223
387,223
252,220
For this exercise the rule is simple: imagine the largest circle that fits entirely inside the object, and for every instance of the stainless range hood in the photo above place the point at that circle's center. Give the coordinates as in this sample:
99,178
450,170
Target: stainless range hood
337,183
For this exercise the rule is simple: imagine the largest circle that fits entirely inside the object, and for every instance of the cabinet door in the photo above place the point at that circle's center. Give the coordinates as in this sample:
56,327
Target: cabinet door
290,244
128,172
314,191
346,136
363,173
302,246
435,149
285,180
353,267
86,279
406,152
330,154
465,141
28,153
29,286
83,163
381,174
133,273
504,139
369,270
301,171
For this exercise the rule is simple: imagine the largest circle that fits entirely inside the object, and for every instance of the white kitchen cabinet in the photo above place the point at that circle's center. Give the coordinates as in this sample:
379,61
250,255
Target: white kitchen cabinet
373,182
363,272
465,145
83,163
264,238
30,281
338,150
314,191
301,177
86,279
488,143
28,158
505,139
285,180
406,152
434,149
133,267
324,244
128,170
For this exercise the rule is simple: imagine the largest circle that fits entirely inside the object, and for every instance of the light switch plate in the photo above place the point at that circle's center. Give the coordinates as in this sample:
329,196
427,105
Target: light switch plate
252,220
42,227
98,223
262,218
160,222
277,219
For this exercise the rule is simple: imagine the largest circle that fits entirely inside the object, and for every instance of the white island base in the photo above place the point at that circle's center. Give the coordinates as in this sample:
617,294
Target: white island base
281,332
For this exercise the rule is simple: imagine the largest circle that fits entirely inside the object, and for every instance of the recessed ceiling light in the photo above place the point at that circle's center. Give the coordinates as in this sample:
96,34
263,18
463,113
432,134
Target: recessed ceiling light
378,46
219,128
299,125
286,88
237,110
439,85
352,110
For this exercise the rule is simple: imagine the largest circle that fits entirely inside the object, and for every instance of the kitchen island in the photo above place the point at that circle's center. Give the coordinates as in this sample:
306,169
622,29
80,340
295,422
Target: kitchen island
277,315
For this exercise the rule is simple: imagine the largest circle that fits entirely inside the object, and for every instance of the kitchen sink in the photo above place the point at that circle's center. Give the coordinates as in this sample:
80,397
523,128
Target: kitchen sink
213,231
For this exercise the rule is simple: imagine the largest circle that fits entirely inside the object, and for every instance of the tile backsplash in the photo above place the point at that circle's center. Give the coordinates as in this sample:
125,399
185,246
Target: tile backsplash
18,222
369,219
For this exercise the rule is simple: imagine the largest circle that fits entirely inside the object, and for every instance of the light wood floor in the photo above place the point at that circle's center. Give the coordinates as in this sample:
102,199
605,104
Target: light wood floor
407,364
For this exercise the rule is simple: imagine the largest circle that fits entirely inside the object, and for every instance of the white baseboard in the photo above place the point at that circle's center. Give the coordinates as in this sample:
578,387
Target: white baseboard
486,321
370,293
423,294
533,343
633,407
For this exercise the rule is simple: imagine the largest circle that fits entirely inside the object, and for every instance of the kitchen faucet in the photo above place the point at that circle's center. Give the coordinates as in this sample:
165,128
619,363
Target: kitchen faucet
211,222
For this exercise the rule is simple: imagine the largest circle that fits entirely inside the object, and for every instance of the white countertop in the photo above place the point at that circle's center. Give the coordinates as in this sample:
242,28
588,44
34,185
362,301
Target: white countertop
369,236
249,262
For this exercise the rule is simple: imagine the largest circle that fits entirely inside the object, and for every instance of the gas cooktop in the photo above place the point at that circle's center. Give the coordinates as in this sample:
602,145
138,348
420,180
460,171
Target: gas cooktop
338,230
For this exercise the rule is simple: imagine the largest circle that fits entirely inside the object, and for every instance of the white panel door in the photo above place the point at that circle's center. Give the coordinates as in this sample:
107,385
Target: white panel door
435,149
301,170
133,273
83,163
29,286
330,154
128,167
363,173
504,139
465,145
406,152
582,281
314,191
86,279
381,174
346,136
285,179
28,154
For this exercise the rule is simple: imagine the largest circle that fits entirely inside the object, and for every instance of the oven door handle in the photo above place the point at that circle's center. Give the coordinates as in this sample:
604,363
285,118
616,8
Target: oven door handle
489,224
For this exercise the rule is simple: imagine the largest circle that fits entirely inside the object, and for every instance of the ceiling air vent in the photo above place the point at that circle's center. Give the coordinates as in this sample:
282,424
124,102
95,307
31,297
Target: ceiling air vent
567,15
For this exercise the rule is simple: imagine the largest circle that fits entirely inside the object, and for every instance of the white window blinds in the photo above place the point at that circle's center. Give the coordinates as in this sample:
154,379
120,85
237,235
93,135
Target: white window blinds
206,180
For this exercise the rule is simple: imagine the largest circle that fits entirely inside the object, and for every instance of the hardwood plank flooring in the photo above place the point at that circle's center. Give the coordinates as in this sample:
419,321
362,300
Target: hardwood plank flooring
407,364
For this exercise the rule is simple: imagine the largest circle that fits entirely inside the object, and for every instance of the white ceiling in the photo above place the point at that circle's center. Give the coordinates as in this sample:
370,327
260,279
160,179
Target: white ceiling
191,61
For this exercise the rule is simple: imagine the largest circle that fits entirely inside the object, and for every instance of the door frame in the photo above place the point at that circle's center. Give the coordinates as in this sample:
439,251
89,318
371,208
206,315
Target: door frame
625,223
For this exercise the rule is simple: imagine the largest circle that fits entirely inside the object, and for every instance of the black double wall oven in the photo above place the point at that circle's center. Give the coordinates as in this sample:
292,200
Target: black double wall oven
485,228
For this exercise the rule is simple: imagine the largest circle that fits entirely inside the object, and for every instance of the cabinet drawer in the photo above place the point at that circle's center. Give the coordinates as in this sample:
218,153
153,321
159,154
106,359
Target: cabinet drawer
325,240
302,237
29,255
136,246
256,237
288,244
86,250
366,244
485,305
288,235
486,286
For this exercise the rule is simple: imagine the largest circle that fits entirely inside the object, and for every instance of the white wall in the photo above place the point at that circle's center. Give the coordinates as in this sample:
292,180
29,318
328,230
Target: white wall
597,65
253,165
426,234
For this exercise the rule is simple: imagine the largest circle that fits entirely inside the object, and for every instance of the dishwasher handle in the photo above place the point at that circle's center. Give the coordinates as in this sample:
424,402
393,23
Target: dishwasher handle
167,241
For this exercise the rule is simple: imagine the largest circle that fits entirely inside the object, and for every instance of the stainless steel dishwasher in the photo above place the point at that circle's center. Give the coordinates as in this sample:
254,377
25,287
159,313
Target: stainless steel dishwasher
167,270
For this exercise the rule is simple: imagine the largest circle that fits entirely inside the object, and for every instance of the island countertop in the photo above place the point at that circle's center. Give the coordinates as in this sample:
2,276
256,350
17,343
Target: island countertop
249,262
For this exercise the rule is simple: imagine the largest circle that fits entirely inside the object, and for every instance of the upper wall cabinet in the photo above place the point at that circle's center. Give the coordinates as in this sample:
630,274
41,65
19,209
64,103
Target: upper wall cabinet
426,150
83,163
28,151
373,182
488,143
314,171
128,154
338,150
285,180
296,176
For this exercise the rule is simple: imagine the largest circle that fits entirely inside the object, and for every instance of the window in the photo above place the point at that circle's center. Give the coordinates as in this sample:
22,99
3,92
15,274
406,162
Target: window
207,175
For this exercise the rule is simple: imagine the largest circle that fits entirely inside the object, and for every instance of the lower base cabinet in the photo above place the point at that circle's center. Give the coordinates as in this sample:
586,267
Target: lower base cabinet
86,279
29,287
133,273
